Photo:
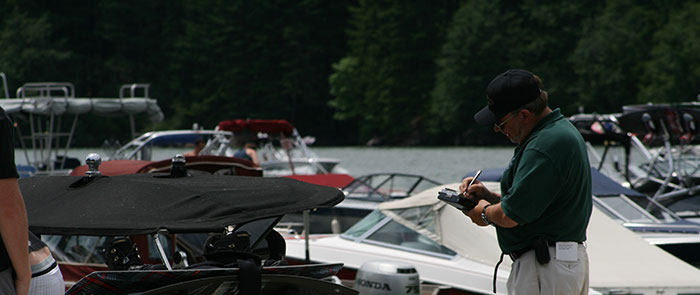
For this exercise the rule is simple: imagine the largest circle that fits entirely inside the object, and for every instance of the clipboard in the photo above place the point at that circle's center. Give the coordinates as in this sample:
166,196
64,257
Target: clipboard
455,199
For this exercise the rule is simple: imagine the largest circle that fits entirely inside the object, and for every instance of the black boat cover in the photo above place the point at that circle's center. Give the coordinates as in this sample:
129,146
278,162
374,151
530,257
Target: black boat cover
147,203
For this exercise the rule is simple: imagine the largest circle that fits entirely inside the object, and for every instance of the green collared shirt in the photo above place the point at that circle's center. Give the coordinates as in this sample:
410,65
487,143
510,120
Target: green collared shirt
546,188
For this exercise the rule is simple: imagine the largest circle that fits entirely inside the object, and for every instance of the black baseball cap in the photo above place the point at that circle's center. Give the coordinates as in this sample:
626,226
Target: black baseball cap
507,92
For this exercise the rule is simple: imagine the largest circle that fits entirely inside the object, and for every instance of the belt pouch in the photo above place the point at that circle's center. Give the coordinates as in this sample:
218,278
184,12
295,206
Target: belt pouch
541,250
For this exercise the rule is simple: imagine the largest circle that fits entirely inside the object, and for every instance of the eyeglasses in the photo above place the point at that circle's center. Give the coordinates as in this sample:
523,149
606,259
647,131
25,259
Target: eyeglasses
499,127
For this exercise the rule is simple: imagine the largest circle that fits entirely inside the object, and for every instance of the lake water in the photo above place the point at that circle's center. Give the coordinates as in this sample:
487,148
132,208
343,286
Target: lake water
443,164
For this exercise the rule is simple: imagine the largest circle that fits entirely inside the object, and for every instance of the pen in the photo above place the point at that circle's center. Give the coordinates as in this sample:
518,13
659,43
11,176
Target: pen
476,175
478,172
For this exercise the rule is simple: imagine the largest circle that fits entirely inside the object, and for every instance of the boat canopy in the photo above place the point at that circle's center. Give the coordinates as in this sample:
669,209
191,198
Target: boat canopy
148,203
110,107
40,108
257,125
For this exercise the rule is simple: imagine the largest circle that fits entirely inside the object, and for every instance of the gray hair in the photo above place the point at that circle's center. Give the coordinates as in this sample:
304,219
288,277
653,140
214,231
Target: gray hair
540,103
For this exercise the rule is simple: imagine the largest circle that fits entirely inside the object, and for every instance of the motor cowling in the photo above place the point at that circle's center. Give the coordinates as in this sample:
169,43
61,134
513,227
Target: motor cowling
387,278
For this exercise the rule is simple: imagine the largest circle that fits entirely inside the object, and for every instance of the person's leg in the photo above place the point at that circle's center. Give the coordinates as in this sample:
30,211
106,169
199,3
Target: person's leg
564,277
7,284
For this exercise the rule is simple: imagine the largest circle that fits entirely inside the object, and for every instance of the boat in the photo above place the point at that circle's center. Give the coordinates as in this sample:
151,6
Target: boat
652,148
282,151
141,147
362,195
446,249
46,114
138,220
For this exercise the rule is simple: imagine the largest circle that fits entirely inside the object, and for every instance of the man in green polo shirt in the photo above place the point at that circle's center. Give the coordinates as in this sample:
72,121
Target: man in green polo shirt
545,203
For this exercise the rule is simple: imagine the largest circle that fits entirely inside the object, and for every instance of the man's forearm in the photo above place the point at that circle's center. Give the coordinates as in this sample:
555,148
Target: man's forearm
13,228
15,237
496,215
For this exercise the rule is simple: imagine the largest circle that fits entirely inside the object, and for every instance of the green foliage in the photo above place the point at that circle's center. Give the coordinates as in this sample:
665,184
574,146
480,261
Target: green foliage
254,59
349,71
489,37
672,74
463,74
345,87
392,48
27,52
609,58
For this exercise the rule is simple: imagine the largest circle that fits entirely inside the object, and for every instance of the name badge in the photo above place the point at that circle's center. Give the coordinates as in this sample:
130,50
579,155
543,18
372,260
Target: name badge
567,251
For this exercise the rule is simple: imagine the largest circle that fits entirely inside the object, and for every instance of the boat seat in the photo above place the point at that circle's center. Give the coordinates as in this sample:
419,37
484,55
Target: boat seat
120,253
228,249
276,248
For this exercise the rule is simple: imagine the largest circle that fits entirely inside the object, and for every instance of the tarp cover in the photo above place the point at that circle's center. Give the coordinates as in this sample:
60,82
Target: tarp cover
146,203
257,125
76,106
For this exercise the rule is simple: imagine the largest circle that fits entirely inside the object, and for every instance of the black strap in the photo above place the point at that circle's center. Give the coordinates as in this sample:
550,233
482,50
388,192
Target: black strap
495,271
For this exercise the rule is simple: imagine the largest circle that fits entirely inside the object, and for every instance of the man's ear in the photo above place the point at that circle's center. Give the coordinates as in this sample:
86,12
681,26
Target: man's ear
526,116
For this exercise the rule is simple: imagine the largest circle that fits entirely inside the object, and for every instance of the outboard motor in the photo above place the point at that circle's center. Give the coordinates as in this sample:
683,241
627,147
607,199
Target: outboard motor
387,278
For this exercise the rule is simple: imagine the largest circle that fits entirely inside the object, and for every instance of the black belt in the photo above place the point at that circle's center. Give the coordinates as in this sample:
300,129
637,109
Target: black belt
518,253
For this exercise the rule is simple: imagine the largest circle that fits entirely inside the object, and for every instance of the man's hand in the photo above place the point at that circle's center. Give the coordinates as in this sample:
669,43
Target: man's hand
475,213
478,191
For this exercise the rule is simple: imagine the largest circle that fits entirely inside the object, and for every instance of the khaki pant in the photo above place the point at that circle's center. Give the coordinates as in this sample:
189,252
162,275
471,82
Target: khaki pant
557,277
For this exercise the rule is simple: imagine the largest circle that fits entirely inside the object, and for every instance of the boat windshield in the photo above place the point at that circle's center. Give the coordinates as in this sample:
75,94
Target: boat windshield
83,249
686,207
365,224
386,186
377,228
622,209
89,249
637,210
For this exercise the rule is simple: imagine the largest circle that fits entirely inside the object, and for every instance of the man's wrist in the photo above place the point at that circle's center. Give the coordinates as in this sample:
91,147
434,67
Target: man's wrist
483,215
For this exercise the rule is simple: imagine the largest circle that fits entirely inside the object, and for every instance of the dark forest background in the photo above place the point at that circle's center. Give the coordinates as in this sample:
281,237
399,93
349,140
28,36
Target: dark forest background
351,71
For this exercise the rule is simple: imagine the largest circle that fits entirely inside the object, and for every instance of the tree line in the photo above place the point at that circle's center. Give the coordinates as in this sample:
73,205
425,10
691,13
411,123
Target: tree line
352,71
